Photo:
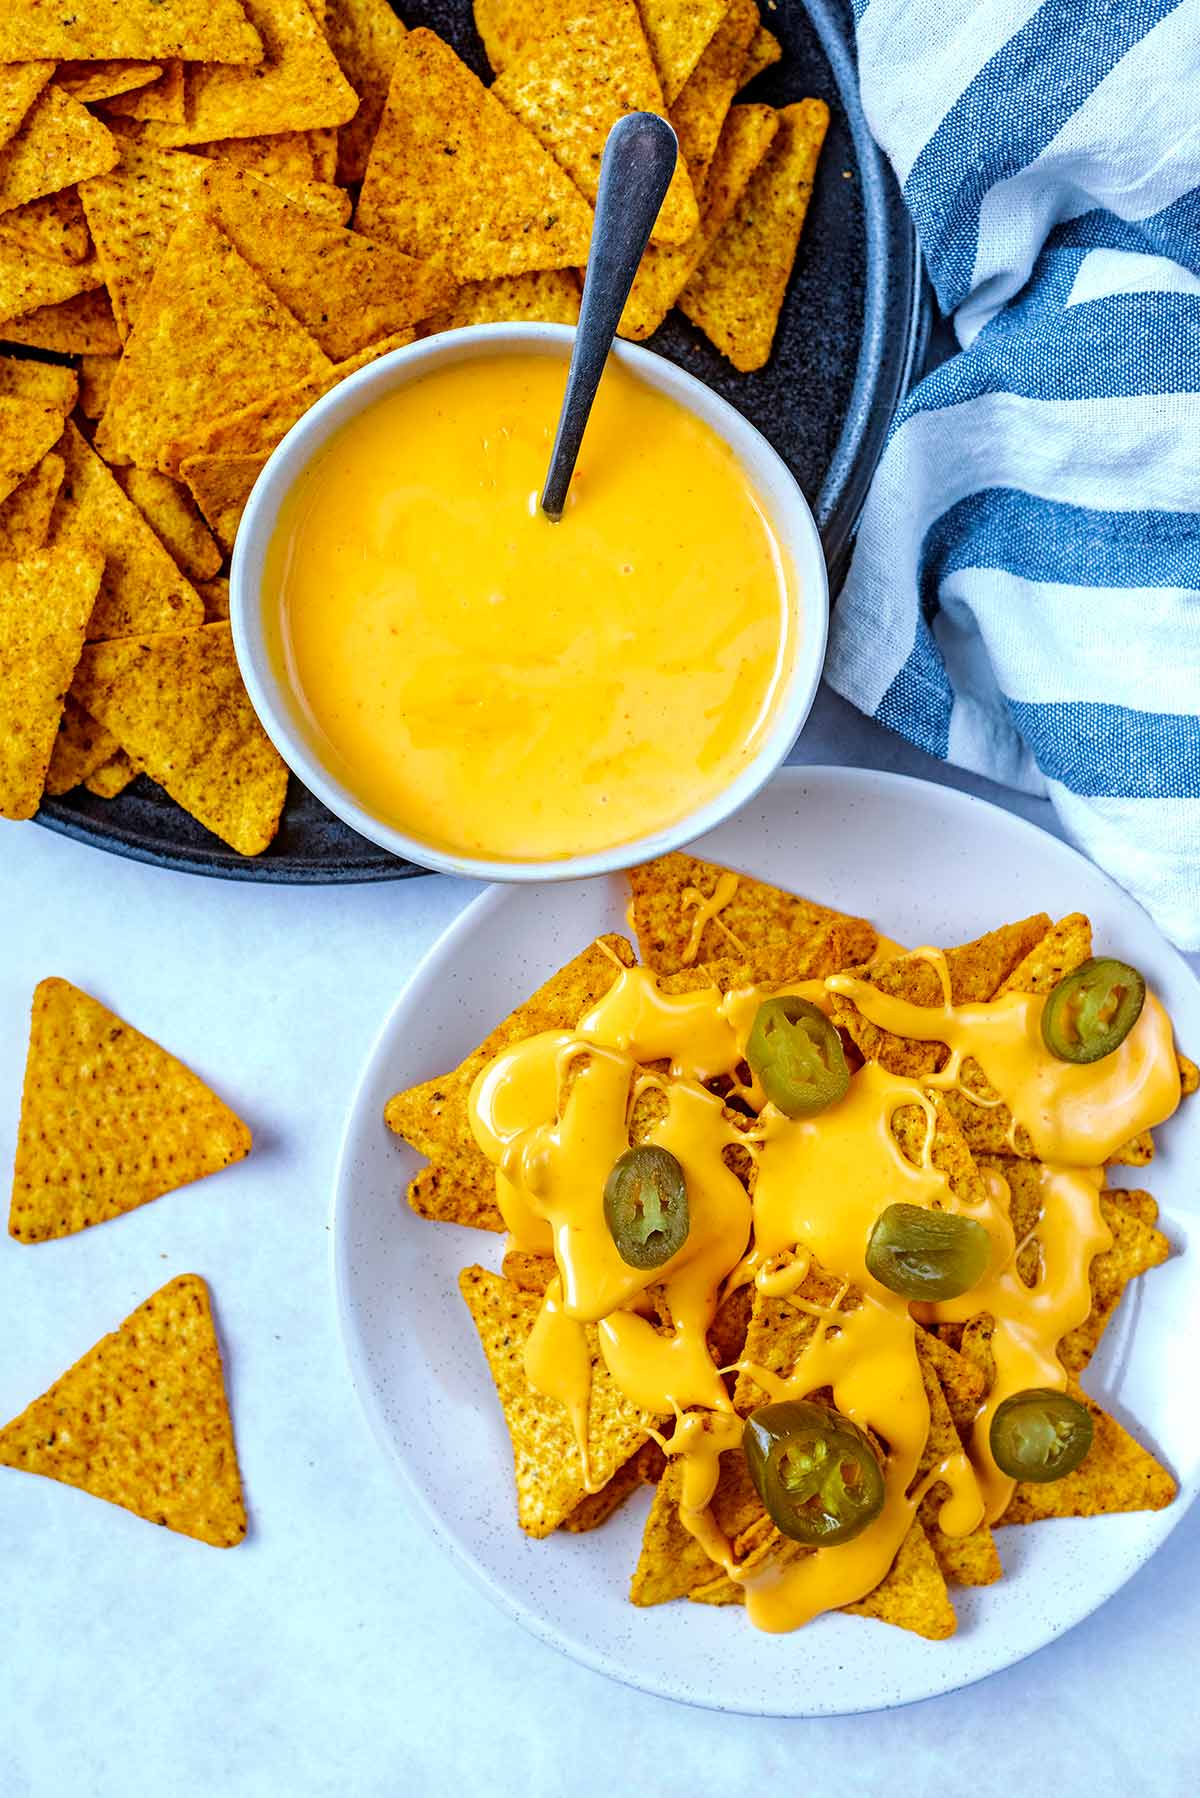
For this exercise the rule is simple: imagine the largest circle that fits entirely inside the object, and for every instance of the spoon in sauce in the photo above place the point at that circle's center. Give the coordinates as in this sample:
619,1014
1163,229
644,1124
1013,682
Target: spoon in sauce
639,160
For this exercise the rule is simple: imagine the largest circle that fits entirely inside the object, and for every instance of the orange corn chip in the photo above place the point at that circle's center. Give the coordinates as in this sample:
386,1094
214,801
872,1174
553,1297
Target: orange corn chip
642,1469
679,32
215,595
53,226
25,515
176,704
737,293
76,326
49,383
699,108
163,99
109,1120
365,36
112,777
100,80
764,51
143,1421
27,431
455,179
220,487
168,510
20,85
1117,1474
199,30
95,380
284,156
58,143
48,597
31,284
551,296
81,746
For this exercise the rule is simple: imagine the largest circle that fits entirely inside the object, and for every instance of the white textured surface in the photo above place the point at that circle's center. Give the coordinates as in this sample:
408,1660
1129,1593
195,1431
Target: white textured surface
338,1651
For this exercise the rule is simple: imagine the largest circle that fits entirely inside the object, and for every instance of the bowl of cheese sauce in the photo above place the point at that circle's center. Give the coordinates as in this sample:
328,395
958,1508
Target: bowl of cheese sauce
485,692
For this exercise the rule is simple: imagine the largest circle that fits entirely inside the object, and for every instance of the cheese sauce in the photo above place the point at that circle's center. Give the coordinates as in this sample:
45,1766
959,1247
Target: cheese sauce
502,687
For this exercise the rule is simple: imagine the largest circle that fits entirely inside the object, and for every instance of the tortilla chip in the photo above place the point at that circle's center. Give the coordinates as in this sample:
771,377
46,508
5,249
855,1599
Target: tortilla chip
1117,1474
25,515
20,85
208,326
571,88
27,431
112,777
49,383
163,99
775,933
549,296
532,1273
32,284
970,1560
220,487
142,589
285,156
1063,947
104,80
699,108
679,32
95,382
664,272
963,1385
168,510
81,325
81,746
764,51
913,1594
58,143
296,87
343,288
176,704
200,30
550,1478
455,179
642,1469
142,1420
672,1564
53,226
365,36
48,597
737,293
109,1120
459,1186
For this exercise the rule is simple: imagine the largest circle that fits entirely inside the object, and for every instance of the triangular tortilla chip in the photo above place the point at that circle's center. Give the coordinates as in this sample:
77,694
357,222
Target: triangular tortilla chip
20,85
200,30
665,270
550,1477
912,1595
164,99
215,595
109,1120
27,431
296,87
459,1186
220,486
49,383
53,226
779,935
25,515
168,510
737,293
455,179
571,88
95,384
48,597
104,80
679,32
143,1421
699,109
549,296
208,326
764,51
81,746
81,325
1117,1474
142,589
176,704
36,285
58,143
672,1563
365,36
644,1468
112,777
345,289
970,1560
284,157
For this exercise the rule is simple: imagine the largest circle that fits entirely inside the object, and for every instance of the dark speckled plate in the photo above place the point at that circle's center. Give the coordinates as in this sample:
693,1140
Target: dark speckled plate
851,337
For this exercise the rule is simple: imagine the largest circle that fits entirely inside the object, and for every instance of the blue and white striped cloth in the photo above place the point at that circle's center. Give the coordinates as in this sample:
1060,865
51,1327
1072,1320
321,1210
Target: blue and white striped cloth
1024,598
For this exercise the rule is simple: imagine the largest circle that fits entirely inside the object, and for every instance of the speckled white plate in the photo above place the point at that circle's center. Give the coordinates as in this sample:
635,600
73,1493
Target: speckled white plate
928,864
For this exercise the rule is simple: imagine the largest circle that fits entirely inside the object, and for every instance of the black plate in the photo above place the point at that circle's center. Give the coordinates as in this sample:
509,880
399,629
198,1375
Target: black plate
851,338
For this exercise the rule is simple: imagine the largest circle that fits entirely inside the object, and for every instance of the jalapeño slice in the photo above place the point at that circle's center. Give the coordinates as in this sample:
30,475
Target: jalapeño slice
1092,1010
797,1055
1040,1435
814,1470
927,1255
646,1206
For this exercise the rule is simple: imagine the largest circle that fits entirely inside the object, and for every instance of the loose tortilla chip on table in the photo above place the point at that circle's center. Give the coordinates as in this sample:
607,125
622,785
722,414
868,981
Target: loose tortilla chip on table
58,143
455,179
104,80
764,51
459,1185
32,286
198,30
142,1420
81,746
571,88
736,294
111,777
48,598
163,99
27,430
550,296
365,36
296,87
679,32
551,1480
109,1120
80,325
20,85
142,588
208,326
176,704
49,383
53,226
168,509
699,109
665,270
25,515
95,382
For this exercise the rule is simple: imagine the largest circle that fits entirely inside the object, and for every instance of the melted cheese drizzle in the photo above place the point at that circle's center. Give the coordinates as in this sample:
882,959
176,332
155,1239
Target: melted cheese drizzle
552,1113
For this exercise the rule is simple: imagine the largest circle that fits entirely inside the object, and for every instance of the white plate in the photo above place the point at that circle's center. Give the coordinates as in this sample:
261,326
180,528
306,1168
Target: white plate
928,864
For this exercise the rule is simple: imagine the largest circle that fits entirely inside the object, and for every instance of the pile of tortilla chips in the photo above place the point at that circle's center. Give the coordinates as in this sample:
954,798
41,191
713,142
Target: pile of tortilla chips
218,209
762,934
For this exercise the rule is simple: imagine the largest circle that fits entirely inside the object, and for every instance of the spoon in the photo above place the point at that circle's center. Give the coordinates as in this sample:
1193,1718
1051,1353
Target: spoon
639,160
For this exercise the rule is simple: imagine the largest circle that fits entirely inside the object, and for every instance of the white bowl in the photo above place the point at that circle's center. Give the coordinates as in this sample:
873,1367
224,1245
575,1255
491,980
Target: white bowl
251,605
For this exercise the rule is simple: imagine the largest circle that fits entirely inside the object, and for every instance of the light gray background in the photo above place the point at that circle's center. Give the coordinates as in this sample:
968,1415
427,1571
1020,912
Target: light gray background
338,1651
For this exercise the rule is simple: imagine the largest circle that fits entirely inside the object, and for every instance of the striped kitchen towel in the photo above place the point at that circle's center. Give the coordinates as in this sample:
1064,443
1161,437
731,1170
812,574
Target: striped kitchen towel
1024,598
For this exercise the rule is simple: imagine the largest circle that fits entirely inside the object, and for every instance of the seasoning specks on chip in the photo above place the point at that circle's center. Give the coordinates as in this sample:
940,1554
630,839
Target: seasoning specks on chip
48,598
